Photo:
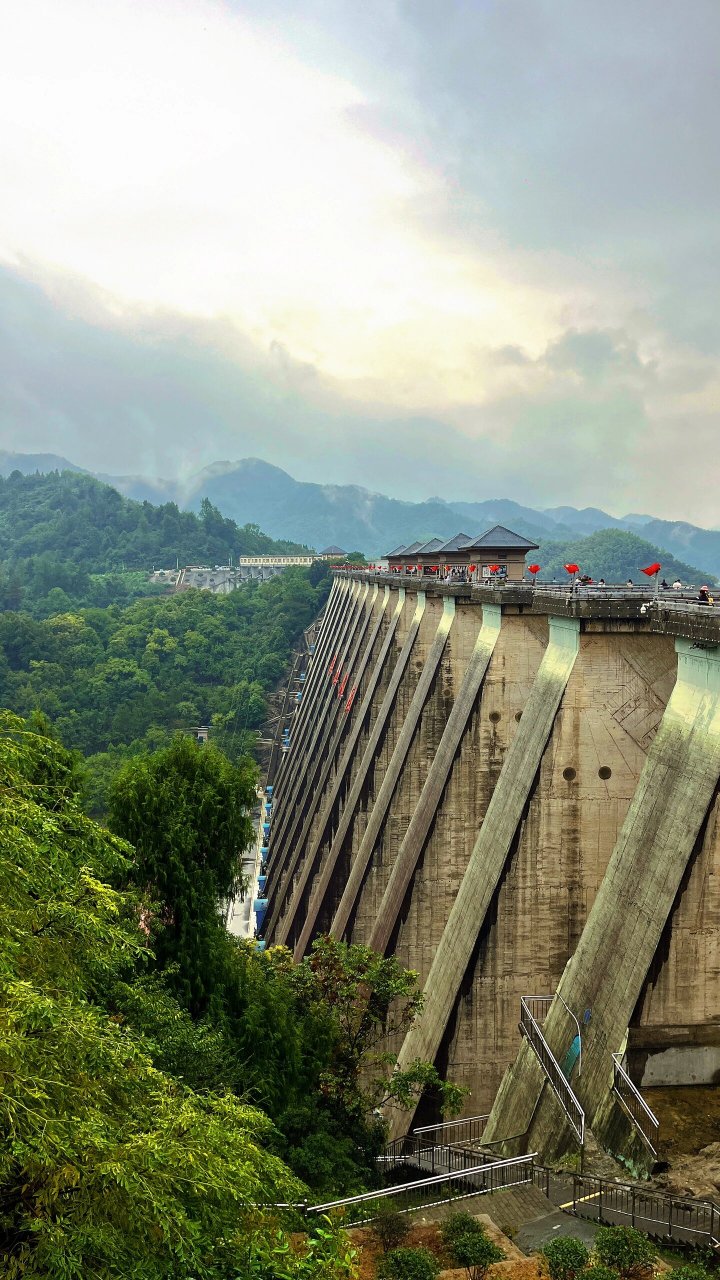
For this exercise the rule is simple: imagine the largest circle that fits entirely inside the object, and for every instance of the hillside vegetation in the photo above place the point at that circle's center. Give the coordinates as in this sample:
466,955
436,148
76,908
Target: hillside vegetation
115,681
90,525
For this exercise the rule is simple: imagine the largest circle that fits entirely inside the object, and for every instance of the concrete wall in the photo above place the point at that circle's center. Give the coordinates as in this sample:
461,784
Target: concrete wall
463,815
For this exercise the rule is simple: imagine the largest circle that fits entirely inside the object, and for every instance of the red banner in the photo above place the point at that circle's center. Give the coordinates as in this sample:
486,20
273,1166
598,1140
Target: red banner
351,698
343,682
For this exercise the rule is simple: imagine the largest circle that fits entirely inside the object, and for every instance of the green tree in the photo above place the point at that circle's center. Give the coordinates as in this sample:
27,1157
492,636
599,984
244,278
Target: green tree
108,1165
185,809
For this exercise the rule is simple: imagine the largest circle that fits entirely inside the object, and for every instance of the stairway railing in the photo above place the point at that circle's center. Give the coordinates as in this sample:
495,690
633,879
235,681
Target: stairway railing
635,1106
408,1197
530,1006
469,1129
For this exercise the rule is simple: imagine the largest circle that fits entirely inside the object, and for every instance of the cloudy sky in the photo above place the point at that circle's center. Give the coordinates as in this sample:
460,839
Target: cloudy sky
455,247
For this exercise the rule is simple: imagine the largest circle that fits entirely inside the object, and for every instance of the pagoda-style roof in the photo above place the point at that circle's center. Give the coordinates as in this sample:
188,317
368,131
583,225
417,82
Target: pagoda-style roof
399,551
458,543
414,546
428,548
501,539
332,551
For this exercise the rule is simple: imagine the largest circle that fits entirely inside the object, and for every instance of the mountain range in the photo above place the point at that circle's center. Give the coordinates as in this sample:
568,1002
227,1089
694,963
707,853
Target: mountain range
256,492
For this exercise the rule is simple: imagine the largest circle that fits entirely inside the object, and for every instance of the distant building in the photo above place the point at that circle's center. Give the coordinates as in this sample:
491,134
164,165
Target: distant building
498,554
331,553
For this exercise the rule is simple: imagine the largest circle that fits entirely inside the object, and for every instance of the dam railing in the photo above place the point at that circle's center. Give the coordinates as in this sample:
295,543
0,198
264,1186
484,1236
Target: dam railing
635,1106
532,1008
408,1197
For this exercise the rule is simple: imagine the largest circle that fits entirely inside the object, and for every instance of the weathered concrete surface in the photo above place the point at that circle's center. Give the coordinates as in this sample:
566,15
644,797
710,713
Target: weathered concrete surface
322,766
333,613
352,810
605,977
393,769
577,799
428,803
323,700
493,844
321,756
303,913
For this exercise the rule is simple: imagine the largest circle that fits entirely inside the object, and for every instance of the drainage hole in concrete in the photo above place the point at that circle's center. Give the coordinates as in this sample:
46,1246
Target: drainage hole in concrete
494,716
604,772
568,774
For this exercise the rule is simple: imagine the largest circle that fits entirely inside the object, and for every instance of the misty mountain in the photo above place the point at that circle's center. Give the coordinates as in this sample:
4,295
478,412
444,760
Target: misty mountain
251,491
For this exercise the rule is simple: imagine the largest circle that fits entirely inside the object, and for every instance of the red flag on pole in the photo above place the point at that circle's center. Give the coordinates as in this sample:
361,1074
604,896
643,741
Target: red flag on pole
652,569
533,569
493,568
573,568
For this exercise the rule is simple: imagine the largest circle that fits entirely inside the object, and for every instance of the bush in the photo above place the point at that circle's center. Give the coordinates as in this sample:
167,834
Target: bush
458,1225
390,1226
596,1271
565,1256
476,1252
690,1271
623,1249
408,1264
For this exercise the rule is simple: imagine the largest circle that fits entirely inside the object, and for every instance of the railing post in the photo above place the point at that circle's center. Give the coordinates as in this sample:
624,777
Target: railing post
632,1208
600,1199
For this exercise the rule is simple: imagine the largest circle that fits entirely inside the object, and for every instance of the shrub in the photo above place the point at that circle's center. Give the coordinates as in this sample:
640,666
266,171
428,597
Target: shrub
390,1227
408,1264
476,1252
623,1249
690,1271
457,1225
596,1271
565,1257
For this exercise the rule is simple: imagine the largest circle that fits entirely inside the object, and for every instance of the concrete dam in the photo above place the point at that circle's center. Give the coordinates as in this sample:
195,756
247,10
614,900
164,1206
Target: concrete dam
514,789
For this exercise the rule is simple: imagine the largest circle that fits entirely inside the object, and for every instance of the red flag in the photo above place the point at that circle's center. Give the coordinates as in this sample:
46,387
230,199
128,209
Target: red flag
343,682
573,568
332,665
472,568
533,569
652,569
351,698
336,677
493,568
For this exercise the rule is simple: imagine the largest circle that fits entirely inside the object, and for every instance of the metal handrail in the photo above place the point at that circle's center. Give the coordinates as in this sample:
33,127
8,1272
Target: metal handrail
681,1220
478,1179
469,1129
530,1028
634,1105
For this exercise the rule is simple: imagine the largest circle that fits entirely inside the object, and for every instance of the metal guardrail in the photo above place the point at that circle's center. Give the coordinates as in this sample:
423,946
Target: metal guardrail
470,1129
674,1219
478,1179
530,1028
434,1157
635,1106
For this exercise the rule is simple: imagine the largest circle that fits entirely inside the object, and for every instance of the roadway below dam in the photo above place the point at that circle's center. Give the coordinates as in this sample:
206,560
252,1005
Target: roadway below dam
514,789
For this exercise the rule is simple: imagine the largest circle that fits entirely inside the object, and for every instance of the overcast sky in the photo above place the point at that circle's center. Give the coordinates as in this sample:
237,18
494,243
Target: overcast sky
455,247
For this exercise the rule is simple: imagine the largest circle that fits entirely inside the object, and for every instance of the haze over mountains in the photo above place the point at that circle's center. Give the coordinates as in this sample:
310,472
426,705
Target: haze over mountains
253,491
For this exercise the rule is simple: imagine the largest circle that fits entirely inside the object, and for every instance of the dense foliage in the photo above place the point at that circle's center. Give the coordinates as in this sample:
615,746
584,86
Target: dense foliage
116,681
109,1165
89,524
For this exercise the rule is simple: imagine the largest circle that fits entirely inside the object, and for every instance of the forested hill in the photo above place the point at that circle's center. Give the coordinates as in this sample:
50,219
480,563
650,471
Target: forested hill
89,524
